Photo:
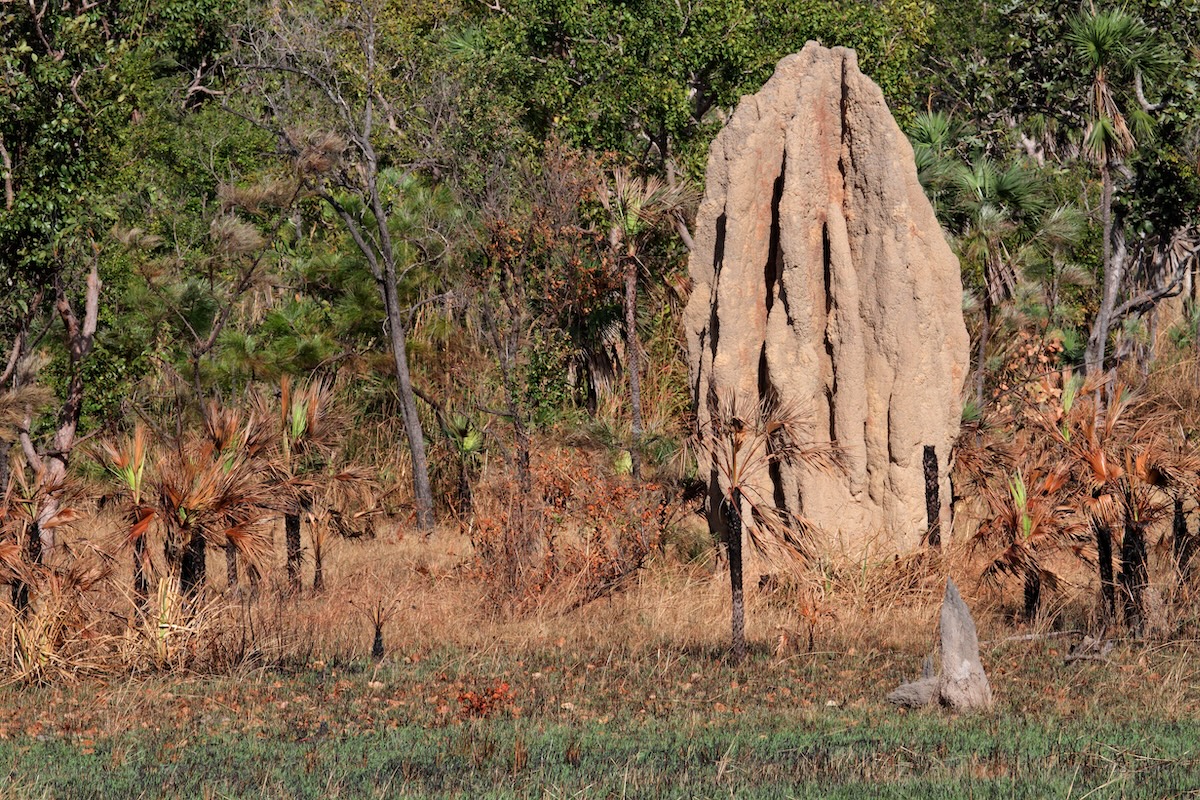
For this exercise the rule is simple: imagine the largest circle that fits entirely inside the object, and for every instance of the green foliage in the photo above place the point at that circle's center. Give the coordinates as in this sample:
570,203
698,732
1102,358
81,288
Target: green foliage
653,80
547,373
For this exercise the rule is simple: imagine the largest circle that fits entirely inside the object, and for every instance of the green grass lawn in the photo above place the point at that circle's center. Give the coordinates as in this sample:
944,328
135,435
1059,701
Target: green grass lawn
656,723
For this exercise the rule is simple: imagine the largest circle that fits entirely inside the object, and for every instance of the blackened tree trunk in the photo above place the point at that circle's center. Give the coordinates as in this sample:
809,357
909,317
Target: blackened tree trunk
1033,594
193,566
33,555
141,581
318,571
735,577
1104,557
1133,575
933,502
231,567
291,527
377,648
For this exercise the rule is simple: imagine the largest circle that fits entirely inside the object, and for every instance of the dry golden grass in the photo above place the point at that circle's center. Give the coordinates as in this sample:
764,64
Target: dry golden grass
438,602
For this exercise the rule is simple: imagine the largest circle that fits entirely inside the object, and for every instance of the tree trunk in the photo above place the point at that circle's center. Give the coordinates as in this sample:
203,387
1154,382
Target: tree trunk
933,503
1133,575
465,499
1104,557
1094,355
377,648
318,571
291,527
422,490
1033,594
734,544
231,567
33,556
193,566
632,349
141,582
80,336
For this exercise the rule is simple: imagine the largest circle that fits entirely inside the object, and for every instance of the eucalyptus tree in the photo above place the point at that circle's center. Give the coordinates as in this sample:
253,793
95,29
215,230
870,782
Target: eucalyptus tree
66,72
655,81
343,88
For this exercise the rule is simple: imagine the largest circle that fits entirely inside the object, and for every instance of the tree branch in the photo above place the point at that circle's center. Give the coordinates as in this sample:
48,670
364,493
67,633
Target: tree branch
27,447
6,162
1146,105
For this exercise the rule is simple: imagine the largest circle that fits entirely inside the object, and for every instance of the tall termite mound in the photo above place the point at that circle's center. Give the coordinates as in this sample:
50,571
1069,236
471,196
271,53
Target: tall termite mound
822,279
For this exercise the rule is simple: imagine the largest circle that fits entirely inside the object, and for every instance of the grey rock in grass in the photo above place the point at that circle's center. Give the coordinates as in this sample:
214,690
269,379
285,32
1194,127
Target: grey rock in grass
963,684
914,695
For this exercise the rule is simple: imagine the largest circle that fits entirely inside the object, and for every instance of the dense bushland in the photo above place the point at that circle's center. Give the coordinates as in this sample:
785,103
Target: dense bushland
286,279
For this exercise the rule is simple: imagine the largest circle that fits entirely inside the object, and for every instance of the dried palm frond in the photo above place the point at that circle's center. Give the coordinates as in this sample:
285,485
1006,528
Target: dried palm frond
268,193
234,237
220,493
15,404
1030,518
980,457
741,442
53,640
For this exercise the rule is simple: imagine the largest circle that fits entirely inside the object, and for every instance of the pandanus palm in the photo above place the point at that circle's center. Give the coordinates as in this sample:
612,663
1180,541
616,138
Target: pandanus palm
1118,51
1029,519
210,487
1123,471
637,207
740,444
125,461
305,431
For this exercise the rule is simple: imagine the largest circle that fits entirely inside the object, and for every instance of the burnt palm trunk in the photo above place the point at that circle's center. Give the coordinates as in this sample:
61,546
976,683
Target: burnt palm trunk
378,651
193,566
735,577
291,527
1133,575
33,557
465,499
933,501
1033,594
141,581
1104,557
231,567
318,571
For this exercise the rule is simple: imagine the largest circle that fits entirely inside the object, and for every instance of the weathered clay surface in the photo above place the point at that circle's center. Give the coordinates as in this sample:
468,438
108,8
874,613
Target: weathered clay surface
821,277
962,685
